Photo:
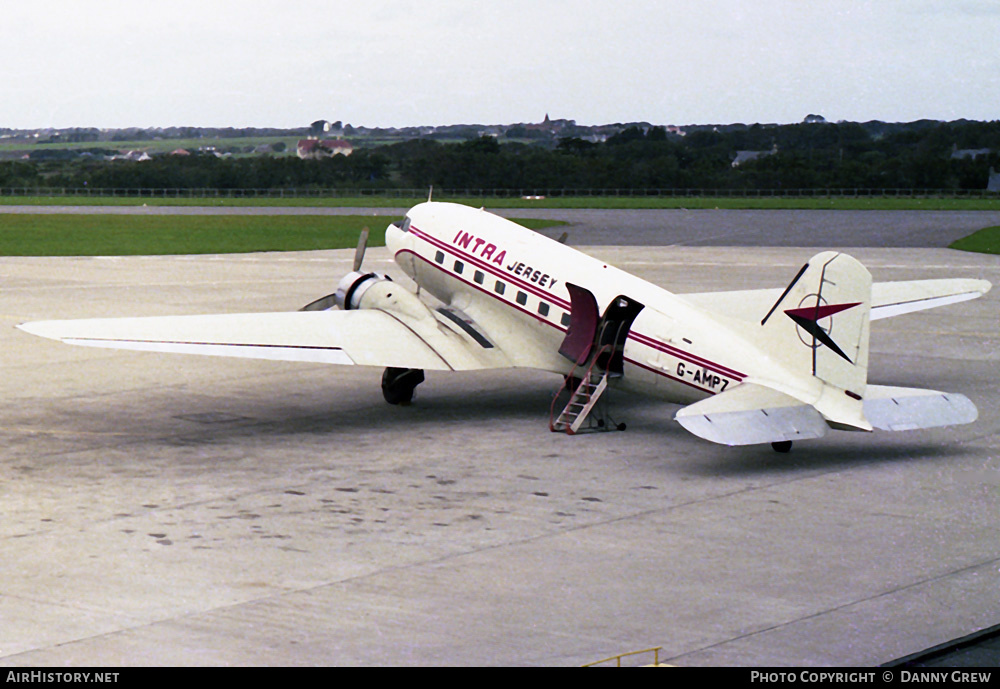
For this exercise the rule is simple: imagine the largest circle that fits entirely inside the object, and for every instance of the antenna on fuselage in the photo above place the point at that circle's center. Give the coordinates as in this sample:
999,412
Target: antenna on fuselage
430,193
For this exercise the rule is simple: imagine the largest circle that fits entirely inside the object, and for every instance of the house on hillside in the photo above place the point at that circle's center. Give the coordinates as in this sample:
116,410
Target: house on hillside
966,153
747,156
133,156
315,149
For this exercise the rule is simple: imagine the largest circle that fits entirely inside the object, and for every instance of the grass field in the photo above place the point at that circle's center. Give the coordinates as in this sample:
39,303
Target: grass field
153,145
985,241
598,202
128,235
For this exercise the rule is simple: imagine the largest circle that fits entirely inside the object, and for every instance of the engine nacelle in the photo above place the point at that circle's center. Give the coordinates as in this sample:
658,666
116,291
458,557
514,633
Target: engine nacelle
353,286
374,291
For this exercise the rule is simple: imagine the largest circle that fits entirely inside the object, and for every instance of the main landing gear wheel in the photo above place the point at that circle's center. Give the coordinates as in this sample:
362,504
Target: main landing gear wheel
398,384
782,446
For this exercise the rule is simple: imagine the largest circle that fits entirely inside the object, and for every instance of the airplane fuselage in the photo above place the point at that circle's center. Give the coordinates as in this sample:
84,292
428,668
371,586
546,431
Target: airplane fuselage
751,367
514,279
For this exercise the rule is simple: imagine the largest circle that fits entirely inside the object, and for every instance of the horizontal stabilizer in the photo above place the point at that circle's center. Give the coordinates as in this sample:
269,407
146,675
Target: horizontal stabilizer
752,414
888,298
896,298
906,409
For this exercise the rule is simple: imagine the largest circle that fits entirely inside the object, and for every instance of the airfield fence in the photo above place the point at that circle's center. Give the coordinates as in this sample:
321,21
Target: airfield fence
385,193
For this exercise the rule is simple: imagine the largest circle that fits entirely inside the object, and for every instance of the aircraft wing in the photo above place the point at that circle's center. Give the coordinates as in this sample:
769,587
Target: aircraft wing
366,337
888,298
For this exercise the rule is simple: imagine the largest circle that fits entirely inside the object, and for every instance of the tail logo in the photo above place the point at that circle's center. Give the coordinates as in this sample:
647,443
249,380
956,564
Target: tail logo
817,322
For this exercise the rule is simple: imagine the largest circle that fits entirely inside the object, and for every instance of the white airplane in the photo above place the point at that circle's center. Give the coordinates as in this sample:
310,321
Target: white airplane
752,367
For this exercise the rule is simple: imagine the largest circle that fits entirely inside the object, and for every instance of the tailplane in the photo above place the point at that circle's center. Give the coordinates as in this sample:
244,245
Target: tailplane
817,332
906,409
752,414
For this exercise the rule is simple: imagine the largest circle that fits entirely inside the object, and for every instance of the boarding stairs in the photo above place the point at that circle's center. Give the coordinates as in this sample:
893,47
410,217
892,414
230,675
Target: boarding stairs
596,346
583,398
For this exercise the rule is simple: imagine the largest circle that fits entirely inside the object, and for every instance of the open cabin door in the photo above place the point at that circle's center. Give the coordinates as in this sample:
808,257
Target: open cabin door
596,346
613,331
583,322
590,334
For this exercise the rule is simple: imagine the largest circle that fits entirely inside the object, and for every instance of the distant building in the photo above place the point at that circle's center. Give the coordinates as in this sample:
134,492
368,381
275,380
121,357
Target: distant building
314,149
550,126
747,156
994,183
966,153
133,156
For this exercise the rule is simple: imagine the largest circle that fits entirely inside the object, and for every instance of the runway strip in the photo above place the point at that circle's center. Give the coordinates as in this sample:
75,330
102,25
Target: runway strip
789,228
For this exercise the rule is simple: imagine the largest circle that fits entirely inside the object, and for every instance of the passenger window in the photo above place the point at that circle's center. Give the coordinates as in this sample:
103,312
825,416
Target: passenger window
439,257
499,287
543,308
459,267
565,319
479,277
522,298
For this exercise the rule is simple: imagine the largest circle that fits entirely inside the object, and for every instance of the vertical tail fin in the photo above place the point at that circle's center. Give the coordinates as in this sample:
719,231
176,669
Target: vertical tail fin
820,322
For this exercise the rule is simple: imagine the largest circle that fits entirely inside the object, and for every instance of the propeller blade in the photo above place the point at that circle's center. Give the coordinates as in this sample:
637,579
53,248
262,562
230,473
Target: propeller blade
321,304
359,254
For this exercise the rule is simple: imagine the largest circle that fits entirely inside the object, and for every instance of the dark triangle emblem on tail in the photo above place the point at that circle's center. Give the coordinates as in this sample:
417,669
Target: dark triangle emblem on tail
808,319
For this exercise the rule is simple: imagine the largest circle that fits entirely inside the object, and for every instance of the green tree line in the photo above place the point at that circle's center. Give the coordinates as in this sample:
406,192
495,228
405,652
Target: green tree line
919,155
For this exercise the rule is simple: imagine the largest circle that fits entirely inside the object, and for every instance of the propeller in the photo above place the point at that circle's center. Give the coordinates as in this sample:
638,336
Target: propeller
330,300
359,253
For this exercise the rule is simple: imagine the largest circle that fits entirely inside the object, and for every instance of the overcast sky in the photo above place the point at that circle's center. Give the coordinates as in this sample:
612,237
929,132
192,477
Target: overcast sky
286,63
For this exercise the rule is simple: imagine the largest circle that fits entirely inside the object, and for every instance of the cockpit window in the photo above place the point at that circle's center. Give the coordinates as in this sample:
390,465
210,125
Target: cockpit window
405,225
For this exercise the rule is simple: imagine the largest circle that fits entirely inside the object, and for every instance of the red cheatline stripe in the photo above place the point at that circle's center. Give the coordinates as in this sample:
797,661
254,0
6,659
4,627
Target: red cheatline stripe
513,279
667,375
536,316
638,337
681,354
